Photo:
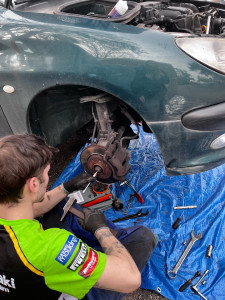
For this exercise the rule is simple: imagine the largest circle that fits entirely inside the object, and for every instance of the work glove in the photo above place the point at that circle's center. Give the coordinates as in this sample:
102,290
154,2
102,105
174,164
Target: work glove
78,183
93,220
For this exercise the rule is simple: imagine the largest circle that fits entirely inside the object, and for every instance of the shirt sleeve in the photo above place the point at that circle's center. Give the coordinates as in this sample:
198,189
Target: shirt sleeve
71,266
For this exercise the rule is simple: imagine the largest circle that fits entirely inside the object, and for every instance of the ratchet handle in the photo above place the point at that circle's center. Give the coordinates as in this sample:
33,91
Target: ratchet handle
185,285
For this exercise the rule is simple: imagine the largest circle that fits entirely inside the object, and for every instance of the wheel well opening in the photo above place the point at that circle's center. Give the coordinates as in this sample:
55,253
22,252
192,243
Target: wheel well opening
56,114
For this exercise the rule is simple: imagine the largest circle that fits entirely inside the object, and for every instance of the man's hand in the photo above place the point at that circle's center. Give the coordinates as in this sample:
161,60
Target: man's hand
78,183
93,220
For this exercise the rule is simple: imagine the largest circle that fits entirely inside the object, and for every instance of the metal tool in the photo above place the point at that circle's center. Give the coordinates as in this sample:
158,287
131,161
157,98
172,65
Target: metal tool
136,194
128,204
209,251
68,207
117,204
185,207
132,216
188,282
177,222
173,273
94,175
194,287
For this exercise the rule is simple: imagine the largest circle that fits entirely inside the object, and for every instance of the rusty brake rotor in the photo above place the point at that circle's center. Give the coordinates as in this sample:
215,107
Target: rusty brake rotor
92,159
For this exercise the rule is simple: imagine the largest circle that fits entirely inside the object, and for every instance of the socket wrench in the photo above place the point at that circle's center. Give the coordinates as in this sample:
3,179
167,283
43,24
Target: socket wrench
173,273
195,289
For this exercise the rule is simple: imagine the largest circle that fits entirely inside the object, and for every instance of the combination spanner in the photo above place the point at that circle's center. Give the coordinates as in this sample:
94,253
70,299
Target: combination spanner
173,273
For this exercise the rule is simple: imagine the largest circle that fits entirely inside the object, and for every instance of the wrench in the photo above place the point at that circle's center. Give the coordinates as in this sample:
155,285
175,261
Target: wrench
173,273
132,216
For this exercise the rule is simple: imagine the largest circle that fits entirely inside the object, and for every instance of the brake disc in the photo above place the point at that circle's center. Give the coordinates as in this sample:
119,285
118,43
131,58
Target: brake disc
92,159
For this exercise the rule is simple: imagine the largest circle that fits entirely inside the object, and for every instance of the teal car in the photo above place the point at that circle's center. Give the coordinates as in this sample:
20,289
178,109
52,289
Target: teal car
68,67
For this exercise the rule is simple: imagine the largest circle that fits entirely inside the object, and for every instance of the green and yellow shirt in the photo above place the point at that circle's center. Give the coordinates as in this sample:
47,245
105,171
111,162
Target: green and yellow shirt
42,264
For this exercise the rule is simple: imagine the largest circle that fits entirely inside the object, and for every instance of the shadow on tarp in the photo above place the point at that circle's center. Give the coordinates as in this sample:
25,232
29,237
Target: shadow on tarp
161,193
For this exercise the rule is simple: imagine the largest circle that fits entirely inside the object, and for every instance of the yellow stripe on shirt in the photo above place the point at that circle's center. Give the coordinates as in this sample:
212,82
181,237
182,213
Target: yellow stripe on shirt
20,253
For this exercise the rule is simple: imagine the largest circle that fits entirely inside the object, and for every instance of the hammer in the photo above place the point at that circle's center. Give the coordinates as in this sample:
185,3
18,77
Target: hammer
194,287
68,207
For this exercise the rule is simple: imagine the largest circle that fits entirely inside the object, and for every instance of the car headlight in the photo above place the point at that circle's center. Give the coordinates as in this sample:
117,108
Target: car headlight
209,51
218,143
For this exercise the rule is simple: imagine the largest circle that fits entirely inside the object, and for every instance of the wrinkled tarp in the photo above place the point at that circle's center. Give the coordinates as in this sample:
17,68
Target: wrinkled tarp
161,194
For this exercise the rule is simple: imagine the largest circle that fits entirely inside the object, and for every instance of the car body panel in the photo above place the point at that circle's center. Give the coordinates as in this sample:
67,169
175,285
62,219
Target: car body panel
143,68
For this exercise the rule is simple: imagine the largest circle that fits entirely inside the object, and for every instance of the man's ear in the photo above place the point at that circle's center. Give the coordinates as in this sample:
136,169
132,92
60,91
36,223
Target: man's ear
33,184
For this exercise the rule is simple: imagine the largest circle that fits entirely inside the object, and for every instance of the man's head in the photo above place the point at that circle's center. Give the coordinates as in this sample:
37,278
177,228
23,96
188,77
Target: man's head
22,157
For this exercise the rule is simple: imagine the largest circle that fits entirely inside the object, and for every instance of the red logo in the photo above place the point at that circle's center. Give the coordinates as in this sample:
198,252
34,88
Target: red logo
89,265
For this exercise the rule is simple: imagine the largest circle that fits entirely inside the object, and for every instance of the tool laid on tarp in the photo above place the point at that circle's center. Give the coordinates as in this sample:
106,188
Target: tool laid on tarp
128,204
132,216
177,222
137,195
185,207
209,251
188,282
194,287
173,273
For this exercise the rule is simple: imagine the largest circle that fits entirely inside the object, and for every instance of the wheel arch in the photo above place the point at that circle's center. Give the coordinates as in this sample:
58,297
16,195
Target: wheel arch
56,113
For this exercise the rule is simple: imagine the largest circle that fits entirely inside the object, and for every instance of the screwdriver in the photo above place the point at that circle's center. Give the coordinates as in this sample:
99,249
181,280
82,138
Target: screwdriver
187,283
177,222
94,175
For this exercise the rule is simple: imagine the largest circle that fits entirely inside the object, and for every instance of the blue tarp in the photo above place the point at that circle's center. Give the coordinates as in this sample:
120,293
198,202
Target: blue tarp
161,194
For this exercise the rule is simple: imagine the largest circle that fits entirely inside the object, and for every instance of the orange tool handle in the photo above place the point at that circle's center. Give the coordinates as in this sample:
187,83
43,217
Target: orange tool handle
99,200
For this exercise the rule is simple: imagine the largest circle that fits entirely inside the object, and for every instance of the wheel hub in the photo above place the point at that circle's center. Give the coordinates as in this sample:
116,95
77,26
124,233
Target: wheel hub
93,159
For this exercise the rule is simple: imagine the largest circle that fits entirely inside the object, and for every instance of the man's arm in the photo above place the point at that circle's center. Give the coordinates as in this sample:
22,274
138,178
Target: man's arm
51,199
121,273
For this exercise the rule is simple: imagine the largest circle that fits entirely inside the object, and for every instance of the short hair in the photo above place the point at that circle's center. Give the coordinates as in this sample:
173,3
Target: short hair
22,157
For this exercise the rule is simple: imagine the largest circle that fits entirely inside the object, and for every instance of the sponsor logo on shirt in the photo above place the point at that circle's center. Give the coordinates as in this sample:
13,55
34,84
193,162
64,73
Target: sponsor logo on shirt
89,265
79,257
67,250
6,283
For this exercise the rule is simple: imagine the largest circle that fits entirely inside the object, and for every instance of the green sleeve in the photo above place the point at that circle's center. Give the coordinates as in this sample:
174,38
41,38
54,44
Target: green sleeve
71,266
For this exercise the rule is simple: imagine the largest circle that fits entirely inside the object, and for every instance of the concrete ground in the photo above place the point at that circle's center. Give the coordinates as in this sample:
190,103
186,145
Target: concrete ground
142,294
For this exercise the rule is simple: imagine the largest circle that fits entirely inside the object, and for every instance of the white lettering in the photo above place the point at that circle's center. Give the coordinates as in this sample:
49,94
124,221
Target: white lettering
7,282
79,258
66,250
4,289
93,260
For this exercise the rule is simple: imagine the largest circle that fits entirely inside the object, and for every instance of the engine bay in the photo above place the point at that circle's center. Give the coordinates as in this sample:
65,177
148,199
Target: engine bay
192,17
